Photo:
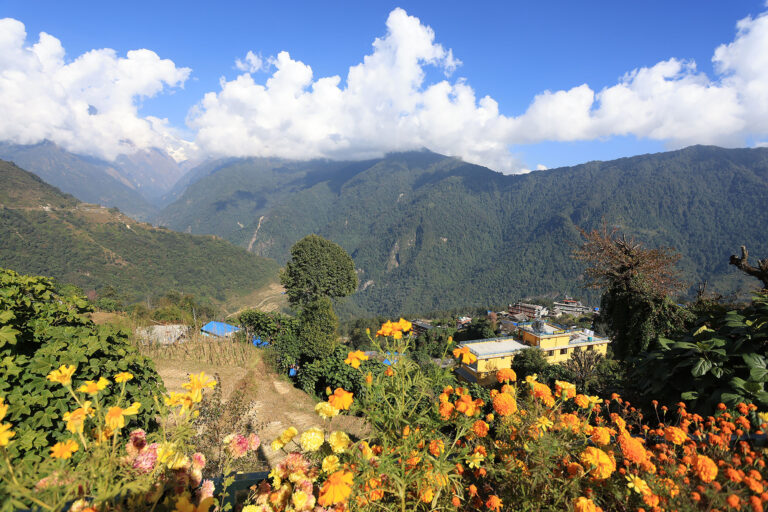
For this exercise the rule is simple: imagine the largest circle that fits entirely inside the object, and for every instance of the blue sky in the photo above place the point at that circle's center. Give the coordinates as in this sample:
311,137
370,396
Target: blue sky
509,51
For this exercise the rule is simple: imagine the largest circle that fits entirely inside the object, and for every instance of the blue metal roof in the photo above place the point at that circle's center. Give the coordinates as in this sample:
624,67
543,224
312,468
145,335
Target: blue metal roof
219,328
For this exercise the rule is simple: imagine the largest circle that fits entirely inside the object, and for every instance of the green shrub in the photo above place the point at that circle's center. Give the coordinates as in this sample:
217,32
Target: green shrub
41,330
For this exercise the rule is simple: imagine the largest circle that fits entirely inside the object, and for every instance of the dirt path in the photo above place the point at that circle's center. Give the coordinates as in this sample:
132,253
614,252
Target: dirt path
276,403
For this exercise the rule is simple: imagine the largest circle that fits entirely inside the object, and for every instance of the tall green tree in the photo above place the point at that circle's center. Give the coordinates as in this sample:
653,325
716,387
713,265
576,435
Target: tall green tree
317,268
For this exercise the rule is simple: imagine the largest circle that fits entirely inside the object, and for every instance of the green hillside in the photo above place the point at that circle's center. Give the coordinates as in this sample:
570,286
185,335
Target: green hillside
431,232
46,232
89,179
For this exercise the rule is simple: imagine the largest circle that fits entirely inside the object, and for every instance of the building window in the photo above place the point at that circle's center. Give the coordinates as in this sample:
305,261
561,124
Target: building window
590,348
563,351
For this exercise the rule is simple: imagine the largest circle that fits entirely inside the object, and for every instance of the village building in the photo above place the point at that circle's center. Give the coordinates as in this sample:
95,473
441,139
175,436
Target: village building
529,310
572,307
558,343
492,354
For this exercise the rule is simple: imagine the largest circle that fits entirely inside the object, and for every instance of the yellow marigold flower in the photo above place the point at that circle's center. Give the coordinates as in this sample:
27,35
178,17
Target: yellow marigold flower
326,410
312,439
504,404
637,484
506,375
365,450
6,434
341,399
600,464
3,408
426,495
582,504
92,387
300,500
330,464
675,435
763,417
565,390
123,377
353,358
63,375
475,459
339,441
287,435
196,384
705,468
466,356
64,450
544,423
184,505
404,325
115,417
168,455
594,400
76,419
276,445
336,489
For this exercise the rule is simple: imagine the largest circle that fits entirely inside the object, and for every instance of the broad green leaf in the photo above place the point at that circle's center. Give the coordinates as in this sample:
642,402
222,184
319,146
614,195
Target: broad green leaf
701,367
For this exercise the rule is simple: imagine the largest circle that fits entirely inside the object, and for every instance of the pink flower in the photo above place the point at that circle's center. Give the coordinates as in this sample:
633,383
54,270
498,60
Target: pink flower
146,460
206,489
198,461
253,442
238,446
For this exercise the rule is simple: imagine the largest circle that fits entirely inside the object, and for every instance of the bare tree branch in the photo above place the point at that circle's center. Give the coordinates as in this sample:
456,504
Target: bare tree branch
760,272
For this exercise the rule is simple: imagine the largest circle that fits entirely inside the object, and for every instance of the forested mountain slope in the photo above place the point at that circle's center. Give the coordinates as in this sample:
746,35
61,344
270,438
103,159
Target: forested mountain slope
44,231
431,232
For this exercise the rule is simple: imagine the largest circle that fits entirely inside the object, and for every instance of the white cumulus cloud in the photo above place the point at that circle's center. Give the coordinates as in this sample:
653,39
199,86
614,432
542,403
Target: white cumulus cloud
87,105
385,104
251,64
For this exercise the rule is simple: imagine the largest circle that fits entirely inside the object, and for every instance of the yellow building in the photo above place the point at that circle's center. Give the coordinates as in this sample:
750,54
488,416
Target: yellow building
492,354
559,343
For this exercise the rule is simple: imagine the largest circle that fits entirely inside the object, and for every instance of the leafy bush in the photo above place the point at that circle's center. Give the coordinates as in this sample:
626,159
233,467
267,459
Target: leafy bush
723,359
40,331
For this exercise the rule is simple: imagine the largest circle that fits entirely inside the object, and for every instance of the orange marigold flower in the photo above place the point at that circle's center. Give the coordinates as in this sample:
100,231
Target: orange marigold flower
564,390
436,447
404,325
506,375
600,464
480,428
466,356
341,399
353,358
575,469
632,448
504,404
387,329
581,400
446,410
675,435
601,436
336,489
582,504
705,468
494,503
455,501
472,490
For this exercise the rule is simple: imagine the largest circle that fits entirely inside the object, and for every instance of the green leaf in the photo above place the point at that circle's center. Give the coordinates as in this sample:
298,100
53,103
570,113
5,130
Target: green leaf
701,367
8,335
758,374
754,360
690,395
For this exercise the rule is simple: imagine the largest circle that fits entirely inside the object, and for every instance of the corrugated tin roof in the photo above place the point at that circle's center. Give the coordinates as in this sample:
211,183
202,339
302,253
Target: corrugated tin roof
219,328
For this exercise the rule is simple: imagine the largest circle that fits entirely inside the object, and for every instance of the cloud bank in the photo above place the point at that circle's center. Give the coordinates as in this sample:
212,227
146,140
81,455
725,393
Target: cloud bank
385,105
88,105
277,107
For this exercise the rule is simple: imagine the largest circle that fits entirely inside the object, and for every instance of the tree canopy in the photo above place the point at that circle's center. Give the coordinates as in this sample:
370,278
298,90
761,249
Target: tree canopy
318,268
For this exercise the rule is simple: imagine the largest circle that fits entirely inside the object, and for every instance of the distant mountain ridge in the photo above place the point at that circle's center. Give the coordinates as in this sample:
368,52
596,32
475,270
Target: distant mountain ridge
432,232
133,183
46,232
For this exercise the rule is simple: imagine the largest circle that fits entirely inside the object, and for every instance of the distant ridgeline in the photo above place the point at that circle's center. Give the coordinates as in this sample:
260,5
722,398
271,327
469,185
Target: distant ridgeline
44,231
430,232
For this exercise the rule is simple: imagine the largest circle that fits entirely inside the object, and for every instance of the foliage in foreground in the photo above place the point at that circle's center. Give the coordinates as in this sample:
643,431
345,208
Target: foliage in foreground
40,331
